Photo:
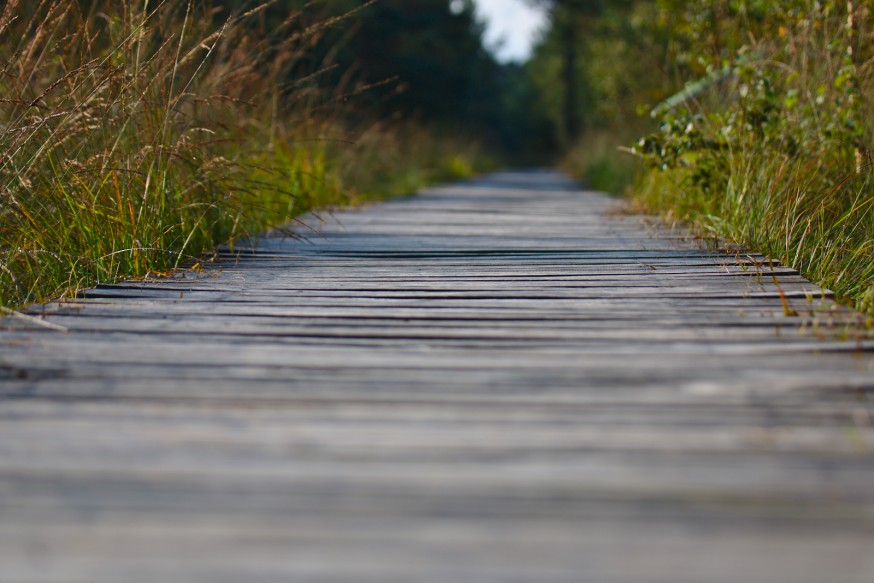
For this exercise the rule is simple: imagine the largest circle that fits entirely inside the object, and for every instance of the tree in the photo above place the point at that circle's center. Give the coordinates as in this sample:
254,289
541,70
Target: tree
417,59
569,18
435,54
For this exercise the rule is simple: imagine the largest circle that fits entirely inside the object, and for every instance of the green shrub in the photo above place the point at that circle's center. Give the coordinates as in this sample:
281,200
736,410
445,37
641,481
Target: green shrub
773,148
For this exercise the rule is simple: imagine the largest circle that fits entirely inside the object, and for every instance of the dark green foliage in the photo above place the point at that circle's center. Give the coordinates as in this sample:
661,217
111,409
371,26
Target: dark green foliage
442,71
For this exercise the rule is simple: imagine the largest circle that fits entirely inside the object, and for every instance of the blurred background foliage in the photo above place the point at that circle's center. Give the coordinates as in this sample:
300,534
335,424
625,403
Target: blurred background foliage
419,60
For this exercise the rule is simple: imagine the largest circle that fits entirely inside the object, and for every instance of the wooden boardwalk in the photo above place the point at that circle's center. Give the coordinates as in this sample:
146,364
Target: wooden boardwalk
496,381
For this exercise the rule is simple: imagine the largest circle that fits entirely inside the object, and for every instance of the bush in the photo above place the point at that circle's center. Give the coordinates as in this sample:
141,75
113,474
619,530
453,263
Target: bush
772,148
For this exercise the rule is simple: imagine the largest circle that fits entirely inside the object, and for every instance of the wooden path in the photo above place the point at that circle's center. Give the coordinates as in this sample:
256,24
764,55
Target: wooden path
497,381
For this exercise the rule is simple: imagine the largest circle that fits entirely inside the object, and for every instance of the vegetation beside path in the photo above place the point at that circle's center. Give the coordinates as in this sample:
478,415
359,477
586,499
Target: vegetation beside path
757,119
135,136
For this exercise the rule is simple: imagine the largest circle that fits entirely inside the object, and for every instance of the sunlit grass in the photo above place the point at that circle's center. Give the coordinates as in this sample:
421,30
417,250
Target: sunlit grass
779,160
135,136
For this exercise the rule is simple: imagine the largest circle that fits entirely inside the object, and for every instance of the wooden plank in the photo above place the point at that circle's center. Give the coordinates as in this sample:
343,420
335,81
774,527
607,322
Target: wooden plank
499,380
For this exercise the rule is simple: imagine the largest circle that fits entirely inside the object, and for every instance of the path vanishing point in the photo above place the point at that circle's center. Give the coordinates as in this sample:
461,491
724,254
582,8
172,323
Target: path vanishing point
502,380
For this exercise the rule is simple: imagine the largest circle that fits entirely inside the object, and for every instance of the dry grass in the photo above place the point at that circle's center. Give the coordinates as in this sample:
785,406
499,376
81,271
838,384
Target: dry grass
135,136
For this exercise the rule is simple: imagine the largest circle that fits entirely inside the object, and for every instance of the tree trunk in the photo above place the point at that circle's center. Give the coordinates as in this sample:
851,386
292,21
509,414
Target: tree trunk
569,75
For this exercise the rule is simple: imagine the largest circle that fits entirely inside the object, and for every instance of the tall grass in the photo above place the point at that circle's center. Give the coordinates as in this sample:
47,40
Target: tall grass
598,161
778,157
136,135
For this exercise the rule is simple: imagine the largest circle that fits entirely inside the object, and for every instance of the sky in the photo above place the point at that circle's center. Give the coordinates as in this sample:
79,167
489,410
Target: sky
512,27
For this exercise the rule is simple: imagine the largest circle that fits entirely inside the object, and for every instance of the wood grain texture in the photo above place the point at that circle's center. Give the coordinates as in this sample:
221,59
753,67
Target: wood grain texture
502,380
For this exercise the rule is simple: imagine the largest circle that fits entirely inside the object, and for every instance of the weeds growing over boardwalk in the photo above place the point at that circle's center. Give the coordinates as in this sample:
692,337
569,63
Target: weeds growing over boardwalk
136,135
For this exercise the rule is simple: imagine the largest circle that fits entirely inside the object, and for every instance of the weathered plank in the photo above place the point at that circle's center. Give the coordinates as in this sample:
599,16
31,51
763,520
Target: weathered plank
501,380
